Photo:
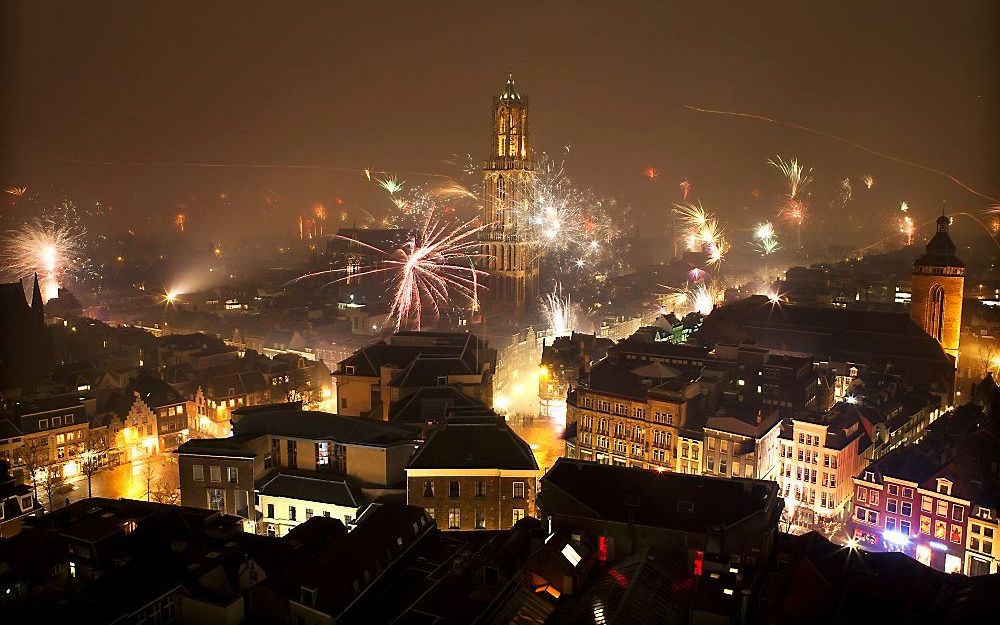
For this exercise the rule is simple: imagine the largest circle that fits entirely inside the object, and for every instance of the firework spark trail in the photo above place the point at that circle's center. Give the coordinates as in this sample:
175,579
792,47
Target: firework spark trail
560,311
686,187
44,248
796,175
367,171
427,271
869,181
845,142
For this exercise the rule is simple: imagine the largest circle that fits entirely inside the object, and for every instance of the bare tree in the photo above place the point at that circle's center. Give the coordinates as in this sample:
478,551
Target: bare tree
149,474
93,453
167,488
54,486
988,355
35,459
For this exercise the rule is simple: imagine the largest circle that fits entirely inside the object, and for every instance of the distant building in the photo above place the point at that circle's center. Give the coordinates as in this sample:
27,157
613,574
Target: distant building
876,339
937,288
25,343
474,473
381,376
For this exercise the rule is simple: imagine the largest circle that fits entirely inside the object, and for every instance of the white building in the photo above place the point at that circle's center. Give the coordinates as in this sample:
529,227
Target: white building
288,500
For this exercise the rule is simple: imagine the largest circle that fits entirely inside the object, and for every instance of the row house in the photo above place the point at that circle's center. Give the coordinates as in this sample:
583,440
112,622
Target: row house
474,473
236,474
648,415
819,454
935,501
53,432
743,444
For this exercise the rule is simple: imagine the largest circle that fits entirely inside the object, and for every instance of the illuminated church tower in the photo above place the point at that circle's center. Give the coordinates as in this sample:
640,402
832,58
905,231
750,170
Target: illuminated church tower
936,289
508,252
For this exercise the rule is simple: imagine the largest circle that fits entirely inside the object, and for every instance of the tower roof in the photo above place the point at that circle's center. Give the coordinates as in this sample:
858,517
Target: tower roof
940,250
509,91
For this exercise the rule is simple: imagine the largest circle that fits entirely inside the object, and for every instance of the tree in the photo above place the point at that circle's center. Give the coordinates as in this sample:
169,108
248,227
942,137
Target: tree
35,460
92,455
53,484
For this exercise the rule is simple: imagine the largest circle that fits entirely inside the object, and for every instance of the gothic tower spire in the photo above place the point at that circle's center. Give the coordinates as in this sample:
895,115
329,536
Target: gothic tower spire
508,253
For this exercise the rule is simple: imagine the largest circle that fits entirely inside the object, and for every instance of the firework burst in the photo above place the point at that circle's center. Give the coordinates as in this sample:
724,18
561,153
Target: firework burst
702,232
869,181
391,184
906,226
44,248
701,297
428,273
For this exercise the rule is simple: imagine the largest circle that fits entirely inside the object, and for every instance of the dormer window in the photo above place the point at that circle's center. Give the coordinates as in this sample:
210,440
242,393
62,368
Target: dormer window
442,380
944,486
349,369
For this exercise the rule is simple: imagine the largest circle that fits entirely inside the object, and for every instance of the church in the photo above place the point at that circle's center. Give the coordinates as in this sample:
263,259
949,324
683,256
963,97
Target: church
936,288
508,252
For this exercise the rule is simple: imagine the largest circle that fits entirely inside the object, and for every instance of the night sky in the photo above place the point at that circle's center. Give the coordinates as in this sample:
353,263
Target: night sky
402,86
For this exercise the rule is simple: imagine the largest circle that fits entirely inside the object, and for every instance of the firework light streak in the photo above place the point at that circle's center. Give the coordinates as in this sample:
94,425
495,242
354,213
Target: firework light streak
853,144
560,312
686,188
46,249
179,220
427,273
17,191
869,181
651,173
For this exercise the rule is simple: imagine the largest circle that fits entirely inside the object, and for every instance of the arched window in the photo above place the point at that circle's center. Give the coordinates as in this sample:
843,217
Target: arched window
934,313
501,190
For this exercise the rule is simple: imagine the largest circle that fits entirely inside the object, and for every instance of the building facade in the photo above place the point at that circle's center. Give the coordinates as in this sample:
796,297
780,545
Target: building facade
474,473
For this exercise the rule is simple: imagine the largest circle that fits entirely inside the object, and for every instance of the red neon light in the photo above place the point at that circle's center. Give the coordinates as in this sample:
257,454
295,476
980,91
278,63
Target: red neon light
602,548
699,561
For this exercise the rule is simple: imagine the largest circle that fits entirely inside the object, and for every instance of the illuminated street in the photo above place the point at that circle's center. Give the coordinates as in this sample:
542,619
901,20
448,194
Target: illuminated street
128,481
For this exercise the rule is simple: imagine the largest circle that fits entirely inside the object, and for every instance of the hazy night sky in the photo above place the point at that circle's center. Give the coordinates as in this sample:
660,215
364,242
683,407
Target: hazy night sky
403,85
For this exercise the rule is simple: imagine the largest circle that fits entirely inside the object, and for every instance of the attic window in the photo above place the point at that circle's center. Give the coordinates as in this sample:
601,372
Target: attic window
349,369
442,380
685,506
944,486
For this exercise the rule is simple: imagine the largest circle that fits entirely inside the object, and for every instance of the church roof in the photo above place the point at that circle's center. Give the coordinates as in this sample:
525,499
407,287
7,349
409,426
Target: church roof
940,250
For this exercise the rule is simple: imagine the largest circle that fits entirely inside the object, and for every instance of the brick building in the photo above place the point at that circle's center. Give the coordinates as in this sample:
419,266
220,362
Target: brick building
474,473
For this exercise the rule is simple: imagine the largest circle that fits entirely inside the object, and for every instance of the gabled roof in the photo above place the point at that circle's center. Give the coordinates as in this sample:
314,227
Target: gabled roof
155,392
474,442
430,403
425,369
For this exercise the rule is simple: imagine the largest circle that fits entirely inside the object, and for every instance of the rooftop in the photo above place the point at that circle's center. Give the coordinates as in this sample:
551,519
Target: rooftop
474,442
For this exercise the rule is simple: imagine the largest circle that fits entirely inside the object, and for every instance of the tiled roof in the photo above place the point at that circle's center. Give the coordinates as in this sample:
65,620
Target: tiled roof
474,442
651,498
316,425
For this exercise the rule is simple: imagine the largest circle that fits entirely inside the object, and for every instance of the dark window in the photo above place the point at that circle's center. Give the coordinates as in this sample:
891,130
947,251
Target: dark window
270,510
428,489
480,488
293,455
454,490
275,453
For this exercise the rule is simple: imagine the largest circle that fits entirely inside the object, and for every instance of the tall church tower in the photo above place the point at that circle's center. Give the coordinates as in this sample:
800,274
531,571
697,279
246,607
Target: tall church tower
509,253
936,288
